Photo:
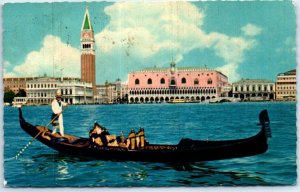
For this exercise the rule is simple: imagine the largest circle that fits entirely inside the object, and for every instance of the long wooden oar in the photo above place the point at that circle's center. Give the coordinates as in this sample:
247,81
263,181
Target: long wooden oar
41,131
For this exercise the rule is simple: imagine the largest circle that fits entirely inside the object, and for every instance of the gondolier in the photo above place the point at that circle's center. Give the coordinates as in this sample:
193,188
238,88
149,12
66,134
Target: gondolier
57,105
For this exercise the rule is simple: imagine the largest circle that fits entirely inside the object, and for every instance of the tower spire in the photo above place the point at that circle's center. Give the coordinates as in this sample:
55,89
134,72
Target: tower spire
86,24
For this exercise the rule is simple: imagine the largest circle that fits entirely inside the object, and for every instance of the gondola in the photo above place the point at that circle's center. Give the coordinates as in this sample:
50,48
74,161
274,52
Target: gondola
187,150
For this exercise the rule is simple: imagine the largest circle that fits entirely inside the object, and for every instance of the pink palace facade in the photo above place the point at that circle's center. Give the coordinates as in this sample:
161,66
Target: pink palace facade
166,84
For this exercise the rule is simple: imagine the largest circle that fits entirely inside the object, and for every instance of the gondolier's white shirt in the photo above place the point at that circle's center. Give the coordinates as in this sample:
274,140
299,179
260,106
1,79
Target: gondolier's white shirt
55,106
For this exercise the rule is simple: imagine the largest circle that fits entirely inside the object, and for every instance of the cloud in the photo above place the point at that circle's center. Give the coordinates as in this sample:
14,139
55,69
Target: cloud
230,70
231,49
52,56
141,35
251,30
6,66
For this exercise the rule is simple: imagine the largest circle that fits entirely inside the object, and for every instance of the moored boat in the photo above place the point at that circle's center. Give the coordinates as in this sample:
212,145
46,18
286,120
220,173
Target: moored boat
187,150
182,101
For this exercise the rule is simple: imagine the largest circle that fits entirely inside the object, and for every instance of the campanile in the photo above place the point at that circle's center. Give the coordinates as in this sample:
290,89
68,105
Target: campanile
88,68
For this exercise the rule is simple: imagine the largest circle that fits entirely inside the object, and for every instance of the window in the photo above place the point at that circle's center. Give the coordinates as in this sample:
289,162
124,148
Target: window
149,81
196,82
86,46
183,81
162,81
209,81
173,82
137,81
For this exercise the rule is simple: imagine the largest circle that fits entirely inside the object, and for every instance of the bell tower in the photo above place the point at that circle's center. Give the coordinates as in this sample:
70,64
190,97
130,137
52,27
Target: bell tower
87,41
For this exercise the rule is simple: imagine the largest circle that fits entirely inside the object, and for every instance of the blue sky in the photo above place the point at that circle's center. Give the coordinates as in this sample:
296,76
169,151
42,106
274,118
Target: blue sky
253,40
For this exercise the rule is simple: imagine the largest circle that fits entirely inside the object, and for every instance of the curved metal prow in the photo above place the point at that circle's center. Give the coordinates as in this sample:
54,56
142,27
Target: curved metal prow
265,122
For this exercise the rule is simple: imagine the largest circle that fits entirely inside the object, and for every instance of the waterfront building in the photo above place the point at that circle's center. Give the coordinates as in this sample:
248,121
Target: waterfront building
88,68
226,91
76,92
115,92
19,101
254,90
41,91
286,86
166,84
15,84
101,96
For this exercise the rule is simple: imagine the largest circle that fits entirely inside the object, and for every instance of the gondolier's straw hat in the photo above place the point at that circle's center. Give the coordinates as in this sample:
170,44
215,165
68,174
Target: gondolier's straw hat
58,93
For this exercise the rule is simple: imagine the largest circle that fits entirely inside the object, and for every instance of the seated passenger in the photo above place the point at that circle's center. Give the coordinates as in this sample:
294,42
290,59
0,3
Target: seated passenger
121,140
140,138
131,140
95,135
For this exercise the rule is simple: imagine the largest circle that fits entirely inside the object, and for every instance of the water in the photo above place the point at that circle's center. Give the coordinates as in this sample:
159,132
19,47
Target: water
40,166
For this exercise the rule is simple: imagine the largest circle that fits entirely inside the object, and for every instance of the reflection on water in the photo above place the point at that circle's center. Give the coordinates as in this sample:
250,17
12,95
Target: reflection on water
201,173
62,169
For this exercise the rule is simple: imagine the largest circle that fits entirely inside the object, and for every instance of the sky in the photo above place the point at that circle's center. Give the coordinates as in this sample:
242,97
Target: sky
253,39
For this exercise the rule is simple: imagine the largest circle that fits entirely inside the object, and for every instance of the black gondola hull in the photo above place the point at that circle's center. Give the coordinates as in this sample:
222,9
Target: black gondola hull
186,151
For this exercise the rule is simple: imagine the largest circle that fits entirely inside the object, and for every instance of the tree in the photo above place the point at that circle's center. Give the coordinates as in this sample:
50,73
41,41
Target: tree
9,96
21,93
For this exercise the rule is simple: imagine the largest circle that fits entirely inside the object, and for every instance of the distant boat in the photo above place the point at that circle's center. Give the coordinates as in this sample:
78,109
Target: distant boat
7,104
223,100
182,101
187,150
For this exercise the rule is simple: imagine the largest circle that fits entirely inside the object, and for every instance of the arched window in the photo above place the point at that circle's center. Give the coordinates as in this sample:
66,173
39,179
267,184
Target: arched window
209,81
149,81
162,81
137,81
183,80
196,82
173,82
